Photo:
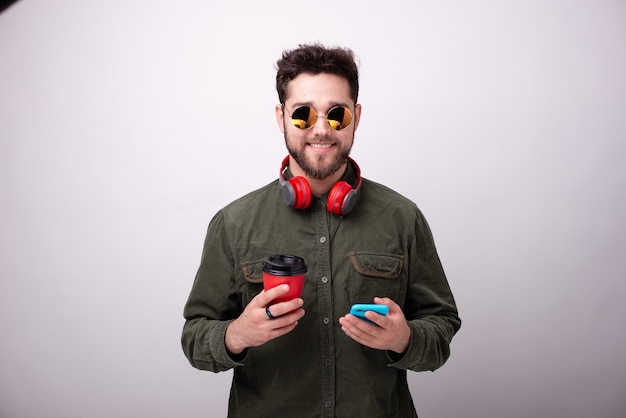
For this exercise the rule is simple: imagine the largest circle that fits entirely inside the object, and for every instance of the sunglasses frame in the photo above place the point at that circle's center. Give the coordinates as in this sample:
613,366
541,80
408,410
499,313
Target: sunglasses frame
317,116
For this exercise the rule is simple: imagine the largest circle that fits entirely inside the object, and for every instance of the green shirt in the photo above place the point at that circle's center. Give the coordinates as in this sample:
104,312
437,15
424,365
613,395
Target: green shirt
383,248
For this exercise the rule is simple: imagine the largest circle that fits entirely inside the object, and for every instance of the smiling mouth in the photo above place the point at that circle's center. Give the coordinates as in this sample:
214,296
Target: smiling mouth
324,145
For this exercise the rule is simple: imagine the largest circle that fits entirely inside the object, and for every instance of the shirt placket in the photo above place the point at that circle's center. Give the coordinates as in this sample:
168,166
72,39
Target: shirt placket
325,303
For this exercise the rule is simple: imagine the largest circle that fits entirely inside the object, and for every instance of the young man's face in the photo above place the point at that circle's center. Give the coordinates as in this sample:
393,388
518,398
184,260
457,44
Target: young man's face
320,150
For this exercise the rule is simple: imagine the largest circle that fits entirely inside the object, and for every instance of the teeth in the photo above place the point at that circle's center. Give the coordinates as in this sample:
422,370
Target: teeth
321,145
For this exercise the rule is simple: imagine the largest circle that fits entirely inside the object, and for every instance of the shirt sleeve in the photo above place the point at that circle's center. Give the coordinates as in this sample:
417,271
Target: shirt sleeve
212,304
430,308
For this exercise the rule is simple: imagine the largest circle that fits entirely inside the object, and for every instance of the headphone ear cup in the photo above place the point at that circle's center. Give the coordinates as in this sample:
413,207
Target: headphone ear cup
296,192
289,195
338,196
349,201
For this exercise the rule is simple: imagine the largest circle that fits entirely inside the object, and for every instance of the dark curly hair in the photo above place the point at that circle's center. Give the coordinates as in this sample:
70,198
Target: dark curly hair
316,59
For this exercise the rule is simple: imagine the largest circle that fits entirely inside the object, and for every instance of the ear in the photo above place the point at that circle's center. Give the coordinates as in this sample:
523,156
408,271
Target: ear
357,115
280,117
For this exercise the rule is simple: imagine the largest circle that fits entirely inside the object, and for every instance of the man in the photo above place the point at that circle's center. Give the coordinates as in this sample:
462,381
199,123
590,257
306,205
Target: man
362,243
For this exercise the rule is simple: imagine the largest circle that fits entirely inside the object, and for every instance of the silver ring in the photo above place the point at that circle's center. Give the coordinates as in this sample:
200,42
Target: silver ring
269,314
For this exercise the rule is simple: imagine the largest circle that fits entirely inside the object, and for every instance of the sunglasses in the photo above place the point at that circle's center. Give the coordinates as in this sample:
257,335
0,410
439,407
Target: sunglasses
304,117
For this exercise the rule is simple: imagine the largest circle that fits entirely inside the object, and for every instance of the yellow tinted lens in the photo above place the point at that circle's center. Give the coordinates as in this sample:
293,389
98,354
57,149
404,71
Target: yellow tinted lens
339,117
303,117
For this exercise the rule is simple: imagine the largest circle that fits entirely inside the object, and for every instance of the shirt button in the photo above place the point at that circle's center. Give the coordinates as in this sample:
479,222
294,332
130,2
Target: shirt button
327,362
324,279
322,239
326,321
327,404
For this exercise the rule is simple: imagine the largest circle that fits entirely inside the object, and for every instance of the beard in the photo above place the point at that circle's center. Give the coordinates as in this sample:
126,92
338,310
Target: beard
322,166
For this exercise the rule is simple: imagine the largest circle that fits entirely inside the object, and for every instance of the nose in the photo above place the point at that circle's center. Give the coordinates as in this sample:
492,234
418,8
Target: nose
321,126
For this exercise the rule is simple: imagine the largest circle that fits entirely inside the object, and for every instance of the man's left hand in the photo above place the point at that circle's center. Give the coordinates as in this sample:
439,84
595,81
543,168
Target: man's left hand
391,332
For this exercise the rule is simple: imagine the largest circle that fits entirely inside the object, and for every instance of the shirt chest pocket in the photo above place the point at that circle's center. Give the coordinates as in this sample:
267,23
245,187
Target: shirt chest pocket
374,275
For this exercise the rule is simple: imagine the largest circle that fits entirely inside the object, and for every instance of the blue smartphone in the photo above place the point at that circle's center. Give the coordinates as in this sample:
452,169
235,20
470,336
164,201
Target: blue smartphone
359,310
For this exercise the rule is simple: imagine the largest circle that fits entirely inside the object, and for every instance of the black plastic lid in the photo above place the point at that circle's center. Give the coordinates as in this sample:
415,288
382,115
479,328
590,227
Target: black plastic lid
284,265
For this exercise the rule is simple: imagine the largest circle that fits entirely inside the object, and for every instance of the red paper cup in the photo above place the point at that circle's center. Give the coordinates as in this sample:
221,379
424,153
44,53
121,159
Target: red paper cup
284,268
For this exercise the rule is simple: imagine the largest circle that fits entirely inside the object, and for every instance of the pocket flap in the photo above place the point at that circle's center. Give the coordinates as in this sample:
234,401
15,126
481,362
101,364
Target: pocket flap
387,266
253,271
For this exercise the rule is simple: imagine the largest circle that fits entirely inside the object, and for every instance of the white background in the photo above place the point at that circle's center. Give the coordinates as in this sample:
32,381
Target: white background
125,125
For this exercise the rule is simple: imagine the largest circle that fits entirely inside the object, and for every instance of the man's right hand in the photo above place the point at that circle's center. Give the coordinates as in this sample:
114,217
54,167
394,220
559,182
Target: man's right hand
254,327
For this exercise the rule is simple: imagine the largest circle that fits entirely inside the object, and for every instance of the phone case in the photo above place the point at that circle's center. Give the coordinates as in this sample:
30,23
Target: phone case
360,309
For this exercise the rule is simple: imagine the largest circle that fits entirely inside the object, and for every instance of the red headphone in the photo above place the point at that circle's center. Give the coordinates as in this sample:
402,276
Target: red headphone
341,198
